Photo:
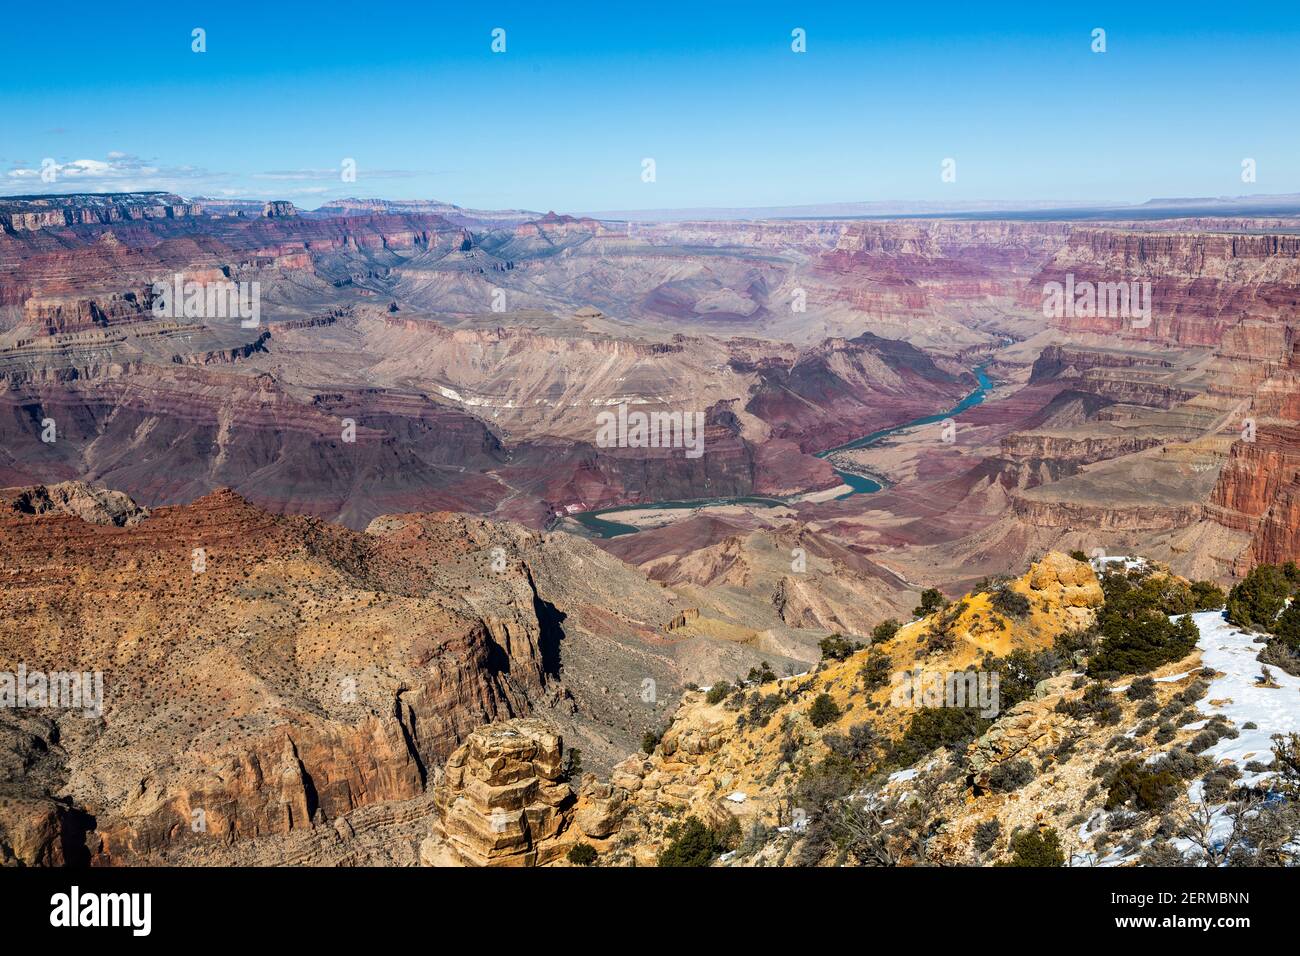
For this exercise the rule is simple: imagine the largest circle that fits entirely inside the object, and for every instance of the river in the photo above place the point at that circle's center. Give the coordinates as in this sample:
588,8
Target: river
597,524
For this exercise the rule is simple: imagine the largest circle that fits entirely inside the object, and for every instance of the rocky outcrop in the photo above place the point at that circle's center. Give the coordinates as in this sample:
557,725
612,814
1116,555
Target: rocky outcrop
27,213
602,809
1057,513
42,832
1061,580
504,800
1029,729
1074,450
1056,361
58,315
75,498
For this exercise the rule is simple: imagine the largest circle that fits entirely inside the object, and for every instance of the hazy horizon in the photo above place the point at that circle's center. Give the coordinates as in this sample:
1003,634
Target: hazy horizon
1285,204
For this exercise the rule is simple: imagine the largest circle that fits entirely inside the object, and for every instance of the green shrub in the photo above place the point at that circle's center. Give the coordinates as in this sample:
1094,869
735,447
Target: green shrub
582,854
1020,672
1011,775
859,747
1010,603
1217,785
572,768
875,670
932,599
884,631
650,739
1255,601
824,711
1286,760
692,844
718,692
1146,788
1181,764
934,727
1207,596
762,707
728,836
836,647
941,637
1141,688
986,834
762,674
828,781
1097,704
1136,634
1070,643
1036,849
1287,627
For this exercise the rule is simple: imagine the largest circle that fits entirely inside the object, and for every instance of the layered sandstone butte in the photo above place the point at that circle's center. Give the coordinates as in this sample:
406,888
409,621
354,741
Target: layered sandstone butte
503,799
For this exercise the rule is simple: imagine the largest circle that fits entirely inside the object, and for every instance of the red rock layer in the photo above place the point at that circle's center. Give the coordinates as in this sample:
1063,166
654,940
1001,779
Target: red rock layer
1259,487
297,672
1203,284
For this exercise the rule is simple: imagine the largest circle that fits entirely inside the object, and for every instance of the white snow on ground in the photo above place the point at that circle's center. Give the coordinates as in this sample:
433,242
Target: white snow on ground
1239,697
1129,563
1242,700
1090,824
908,774
1275,711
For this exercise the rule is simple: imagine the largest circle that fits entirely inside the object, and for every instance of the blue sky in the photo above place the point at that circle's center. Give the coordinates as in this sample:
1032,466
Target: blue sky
712,92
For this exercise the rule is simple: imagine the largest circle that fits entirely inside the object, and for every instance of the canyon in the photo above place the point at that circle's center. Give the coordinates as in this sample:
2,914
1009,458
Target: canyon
385,479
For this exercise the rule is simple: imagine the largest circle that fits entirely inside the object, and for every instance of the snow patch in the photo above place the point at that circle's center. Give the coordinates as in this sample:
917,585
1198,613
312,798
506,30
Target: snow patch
1241,699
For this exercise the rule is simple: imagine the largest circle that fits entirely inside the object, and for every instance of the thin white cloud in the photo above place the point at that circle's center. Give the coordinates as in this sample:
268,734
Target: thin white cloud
118,171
